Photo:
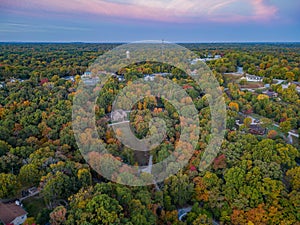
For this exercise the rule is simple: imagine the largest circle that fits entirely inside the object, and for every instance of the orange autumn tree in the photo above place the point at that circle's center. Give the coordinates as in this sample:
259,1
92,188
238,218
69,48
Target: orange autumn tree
234,106
200,190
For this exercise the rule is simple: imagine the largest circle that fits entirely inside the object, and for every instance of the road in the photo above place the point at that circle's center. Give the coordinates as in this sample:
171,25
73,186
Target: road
184,211
148,169
28,196
113,124
292,133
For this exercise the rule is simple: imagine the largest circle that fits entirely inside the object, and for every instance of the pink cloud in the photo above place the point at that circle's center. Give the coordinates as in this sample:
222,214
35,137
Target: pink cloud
154,10
262,11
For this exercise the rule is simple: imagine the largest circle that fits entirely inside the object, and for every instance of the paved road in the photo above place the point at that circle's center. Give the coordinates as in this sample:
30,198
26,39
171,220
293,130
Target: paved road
28,196
279,81
113,124
292,133
182,212
148,169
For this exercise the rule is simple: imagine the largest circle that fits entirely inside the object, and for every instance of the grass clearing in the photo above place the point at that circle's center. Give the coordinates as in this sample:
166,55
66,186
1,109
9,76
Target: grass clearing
252,85
34,205
231,78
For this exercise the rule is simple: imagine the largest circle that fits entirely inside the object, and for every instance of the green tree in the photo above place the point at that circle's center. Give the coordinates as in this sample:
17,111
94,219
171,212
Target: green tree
4,147
285,126
290,76
247,121
8,185
29,175
180,189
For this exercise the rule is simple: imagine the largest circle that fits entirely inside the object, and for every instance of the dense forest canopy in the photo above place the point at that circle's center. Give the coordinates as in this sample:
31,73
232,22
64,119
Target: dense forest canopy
46,59
253,180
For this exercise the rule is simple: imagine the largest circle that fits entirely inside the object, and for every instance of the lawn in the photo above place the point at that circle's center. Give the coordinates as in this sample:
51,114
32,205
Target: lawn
252,85
271,127
231,78
34,205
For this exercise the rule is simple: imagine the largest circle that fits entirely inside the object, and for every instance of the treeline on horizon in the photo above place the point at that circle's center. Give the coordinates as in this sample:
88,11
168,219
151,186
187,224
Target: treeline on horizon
44,60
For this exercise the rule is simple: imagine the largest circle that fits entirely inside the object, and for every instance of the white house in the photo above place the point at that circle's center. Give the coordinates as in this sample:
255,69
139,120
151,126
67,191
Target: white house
253,78
149,78
12,213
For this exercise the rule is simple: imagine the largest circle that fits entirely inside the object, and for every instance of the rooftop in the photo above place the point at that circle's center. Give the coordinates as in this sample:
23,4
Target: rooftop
10,211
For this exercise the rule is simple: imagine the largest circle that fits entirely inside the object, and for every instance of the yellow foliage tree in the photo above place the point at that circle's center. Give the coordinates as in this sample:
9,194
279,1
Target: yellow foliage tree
262,97
234,106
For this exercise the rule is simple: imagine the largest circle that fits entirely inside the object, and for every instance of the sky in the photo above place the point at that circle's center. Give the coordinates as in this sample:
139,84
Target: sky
135,20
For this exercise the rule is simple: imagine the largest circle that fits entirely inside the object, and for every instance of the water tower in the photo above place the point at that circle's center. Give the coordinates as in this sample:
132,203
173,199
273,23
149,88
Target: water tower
128,54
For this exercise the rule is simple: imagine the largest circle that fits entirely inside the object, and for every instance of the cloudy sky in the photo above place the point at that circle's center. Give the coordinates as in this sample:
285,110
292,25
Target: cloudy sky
134,20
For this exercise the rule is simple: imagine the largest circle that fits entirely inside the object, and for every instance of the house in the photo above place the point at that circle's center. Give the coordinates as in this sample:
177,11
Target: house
208,58
257,130
271,94
253,78
239,122
118,115
149,77
87,74
12,213
90,80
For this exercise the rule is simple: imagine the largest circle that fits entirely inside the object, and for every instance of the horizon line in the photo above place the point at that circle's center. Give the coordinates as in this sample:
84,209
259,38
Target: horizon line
128,42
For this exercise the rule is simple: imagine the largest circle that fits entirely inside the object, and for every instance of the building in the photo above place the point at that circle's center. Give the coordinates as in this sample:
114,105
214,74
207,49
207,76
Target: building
118,115
12,213
128,54
149,77
87,74
257,130
208,58
271,94
88,79
253,78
